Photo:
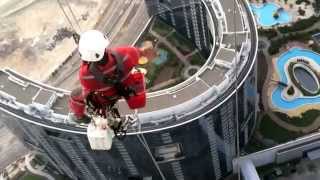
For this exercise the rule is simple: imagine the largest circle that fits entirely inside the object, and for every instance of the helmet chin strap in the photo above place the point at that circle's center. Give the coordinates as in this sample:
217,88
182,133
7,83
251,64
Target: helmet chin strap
104,59
76,37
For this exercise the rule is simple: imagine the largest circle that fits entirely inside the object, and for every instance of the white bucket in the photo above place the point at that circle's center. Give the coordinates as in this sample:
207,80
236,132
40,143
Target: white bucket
100,135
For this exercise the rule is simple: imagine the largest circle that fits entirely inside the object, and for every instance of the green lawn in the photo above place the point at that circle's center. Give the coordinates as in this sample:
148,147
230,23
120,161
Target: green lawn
269,33
253,146
32,177
197,59
303,37
307,118
271,130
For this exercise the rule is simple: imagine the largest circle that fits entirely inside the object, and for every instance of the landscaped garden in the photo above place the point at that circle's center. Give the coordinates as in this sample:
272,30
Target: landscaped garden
306,119
281,38
167,68
29,176
271,130
184,45
155,69
299,31
197,59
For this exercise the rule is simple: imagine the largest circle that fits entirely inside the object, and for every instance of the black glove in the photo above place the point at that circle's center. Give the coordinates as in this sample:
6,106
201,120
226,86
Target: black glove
83,120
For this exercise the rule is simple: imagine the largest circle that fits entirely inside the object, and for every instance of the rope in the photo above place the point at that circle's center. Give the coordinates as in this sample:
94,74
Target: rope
236,86
75,35
73,15
65,15
144,143
146,146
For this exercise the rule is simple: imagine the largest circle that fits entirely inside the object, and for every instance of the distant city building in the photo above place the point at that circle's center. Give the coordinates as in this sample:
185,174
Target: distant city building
187,132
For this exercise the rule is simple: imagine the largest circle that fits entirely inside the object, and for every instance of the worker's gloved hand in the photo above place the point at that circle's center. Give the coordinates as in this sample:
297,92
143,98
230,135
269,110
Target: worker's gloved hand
82,120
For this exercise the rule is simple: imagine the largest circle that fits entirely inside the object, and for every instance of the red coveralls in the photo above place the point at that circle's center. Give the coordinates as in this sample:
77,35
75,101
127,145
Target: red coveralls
103,95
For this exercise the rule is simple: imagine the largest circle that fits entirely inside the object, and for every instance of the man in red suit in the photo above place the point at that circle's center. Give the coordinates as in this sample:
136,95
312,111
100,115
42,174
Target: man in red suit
105,75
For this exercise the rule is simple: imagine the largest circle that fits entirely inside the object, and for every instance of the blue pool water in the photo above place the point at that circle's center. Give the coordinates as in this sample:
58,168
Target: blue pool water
265,12
162,58
277,99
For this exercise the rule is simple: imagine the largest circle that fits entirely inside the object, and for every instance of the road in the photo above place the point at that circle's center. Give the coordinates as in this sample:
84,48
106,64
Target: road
122,21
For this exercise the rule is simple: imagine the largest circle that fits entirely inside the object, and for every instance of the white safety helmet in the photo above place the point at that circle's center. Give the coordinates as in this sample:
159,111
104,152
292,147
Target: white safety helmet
92,45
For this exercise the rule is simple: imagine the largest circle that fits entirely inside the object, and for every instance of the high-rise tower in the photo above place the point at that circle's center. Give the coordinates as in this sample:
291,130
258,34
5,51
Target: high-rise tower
188,131
188,17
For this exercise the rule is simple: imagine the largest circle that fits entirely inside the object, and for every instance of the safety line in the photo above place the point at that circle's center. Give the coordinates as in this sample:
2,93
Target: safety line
144,143
236,85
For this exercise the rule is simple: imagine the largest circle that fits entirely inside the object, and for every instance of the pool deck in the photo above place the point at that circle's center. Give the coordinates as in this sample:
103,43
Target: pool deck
309,11
264,14
269,108
269,87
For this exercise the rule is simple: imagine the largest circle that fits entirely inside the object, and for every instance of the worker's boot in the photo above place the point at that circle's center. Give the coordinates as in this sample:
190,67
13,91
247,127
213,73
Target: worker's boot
85,119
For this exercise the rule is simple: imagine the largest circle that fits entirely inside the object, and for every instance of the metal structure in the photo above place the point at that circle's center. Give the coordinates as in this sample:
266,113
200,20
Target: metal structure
303,147
187,131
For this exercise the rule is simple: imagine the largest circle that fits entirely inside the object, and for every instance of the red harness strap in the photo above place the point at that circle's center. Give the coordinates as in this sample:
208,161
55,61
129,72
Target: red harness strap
116,79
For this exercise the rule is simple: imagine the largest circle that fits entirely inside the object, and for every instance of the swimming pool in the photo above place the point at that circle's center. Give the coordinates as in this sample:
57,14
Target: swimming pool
162,58
265,14
277,99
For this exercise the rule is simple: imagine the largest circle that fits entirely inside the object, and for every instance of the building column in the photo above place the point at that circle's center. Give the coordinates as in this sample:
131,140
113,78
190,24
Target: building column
248,170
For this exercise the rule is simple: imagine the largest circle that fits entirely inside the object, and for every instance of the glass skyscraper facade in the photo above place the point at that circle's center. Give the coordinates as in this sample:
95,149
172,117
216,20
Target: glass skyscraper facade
201,149
188,17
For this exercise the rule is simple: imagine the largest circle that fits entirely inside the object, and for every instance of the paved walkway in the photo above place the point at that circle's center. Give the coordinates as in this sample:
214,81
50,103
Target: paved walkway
192,53
266,85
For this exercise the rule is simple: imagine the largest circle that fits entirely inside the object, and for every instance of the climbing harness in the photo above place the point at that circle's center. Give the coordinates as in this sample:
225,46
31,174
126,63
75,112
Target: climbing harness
115,79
